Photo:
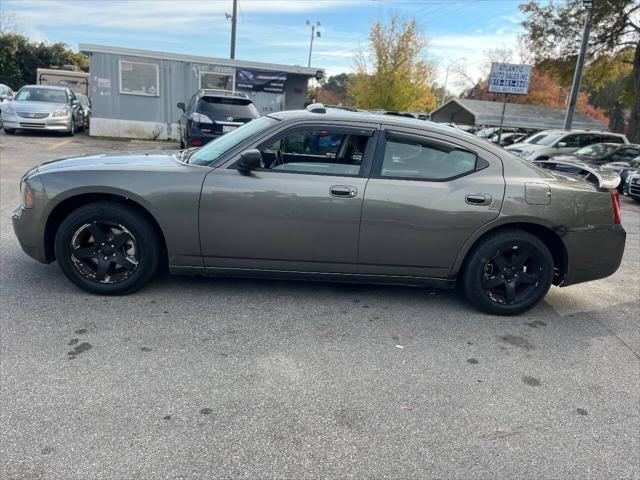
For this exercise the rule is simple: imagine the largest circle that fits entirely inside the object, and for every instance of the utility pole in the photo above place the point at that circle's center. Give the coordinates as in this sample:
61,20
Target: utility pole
446,79
314,33
577,76
234,20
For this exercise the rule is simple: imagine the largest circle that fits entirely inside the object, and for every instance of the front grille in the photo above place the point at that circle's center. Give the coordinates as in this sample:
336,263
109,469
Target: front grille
32,125
32,114
634,189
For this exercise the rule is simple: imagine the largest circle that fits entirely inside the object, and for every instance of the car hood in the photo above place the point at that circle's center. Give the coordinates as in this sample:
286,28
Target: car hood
36,106
117,161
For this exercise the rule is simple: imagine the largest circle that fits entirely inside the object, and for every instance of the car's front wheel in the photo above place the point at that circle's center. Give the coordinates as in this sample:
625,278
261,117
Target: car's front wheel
507,272
108,249
10,131
72,127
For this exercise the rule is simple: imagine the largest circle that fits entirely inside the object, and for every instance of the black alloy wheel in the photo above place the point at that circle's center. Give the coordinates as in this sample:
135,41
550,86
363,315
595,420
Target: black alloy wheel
507,272
104,252
109,248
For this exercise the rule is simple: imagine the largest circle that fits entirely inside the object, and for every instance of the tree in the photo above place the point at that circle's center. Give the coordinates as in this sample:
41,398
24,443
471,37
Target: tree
20,58
554,31
391,75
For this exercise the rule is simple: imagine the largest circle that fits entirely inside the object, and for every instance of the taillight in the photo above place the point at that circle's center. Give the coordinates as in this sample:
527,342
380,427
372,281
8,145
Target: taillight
615,200
196,142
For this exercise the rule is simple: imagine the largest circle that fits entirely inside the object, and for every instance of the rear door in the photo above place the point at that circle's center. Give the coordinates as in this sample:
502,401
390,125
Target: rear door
301,212
426,196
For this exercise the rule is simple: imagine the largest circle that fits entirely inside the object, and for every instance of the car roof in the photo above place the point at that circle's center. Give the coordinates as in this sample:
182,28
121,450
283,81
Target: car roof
48,87
335,114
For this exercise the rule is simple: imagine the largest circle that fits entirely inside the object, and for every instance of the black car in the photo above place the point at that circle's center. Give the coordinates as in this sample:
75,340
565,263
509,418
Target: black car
212,113
623,158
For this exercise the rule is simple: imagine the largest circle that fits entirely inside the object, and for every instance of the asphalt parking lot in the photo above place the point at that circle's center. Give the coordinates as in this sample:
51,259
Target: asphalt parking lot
219,378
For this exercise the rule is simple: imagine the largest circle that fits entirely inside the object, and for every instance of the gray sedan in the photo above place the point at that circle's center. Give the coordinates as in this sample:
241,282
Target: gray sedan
327,195
43,107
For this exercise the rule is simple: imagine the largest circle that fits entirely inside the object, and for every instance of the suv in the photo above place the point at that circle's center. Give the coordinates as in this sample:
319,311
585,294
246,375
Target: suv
549,143
212,113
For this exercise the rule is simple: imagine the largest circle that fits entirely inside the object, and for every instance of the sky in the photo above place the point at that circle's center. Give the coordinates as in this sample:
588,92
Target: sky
458,31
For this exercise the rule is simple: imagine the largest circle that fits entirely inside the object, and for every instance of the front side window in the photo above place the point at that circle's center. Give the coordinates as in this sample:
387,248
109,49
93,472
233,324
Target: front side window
573,141
406,158
137,78
221,145
35,94
325,151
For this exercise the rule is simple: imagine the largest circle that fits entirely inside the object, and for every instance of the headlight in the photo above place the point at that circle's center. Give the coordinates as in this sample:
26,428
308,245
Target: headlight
199,118
7,109
61,112
27,194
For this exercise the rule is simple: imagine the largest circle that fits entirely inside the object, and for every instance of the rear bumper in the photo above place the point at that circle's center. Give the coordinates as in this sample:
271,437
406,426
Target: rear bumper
593,254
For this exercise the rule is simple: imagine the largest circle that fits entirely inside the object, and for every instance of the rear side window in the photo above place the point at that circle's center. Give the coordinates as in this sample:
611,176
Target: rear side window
611,139
231,107
407,158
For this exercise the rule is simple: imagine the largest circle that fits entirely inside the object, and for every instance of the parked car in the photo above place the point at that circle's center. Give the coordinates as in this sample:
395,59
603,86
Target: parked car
86,110
39,107
612,156
440,207
549,143
212,113
6,94
632,186
508,138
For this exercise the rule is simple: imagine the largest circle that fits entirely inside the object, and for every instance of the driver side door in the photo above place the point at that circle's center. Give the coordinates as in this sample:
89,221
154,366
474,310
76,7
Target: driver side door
300,212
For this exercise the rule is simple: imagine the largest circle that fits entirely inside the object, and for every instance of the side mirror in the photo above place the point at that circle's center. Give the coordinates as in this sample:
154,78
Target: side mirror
561,145
249,160
181,106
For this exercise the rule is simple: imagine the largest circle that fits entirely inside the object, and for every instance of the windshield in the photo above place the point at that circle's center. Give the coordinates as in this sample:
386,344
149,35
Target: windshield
229,107
597,150
544,139
221,145
33,94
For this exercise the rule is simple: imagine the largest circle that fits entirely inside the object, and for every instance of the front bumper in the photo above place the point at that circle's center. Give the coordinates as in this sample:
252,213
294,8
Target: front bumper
28,227
593,254
14,121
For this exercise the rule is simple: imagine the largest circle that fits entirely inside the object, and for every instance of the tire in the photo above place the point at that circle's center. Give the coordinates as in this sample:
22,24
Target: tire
131,260
507,273
10,131
72,127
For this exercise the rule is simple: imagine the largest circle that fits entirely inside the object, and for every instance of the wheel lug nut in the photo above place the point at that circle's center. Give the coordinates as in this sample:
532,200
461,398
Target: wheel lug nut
106,258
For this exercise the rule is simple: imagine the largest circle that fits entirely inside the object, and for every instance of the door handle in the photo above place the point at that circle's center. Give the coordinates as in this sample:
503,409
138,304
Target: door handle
478,199
343,191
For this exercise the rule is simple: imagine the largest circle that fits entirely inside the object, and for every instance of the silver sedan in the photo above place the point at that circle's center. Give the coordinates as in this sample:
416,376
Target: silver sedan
43,107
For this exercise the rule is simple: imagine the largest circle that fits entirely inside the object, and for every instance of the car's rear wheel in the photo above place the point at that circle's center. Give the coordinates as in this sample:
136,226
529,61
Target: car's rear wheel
507,273
108,249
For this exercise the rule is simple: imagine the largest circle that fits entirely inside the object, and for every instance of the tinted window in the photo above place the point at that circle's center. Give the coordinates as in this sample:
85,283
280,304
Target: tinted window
411,159
627,153
317,151
231,107
573,141
34,94
611,139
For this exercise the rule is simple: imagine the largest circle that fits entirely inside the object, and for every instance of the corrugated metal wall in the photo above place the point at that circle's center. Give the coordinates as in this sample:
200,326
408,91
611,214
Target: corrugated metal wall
142,116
